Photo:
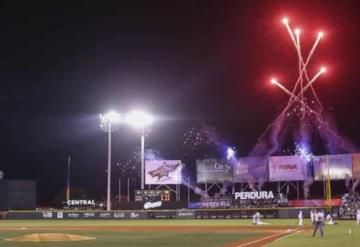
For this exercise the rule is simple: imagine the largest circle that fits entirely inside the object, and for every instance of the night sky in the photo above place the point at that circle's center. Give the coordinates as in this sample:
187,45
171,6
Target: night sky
190,63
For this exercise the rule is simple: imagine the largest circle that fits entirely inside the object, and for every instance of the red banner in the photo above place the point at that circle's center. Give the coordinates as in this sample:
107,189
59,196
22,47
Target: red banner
314,203
356,166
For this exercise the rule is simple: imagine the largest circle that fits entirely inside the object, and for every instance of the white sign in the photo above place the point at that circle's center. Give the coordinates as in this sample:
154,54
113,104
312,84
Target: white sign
119,215
134,215
213,170
89,215
152,205
73,215
47,214
288,168
163,172
60,215
254,195
81,202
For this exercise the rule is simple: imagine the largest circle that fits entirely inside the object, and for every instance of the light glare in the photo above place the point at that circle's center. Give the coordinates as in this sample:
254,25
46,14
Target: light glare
139,119
230,153
285,20
111,117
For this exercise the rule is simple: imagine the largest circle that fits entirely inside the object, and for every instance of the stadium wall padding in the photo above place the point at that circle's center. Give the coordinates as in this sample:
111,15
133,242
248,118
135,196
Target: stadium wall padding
283,213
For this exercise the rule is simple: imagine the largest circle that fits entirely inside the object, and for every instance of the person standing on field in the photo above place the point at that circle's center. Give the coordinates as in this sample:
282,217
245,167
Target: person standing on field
256,218
358,217
301,219
312,216
318,223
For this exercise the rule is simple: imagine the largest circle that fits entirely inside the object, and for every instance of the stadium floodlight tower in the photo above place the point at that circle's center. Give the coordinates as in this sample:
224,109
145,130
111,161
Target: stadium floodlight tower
109,122
140,120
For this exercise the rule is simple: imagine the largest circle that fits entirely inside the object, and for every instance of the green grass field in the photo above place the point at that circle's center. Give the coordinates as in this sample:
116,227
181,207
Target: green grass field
337,235
334,236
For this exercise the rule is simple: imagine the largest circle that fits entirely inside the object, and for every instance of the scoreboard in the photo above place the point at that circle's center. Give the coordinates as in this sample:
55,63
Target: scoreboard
152,195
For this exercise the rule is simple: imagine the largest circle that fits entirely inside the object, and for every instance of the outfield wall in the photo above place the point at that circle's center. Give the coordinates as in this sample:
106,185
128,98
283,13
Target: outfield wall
267,213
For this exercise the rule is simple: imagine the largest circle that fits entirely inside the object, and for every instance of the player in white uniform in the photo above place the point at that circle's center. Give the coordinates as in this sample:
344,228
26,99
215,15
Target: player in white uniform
312,216
358,217
301,219
330,220
256,218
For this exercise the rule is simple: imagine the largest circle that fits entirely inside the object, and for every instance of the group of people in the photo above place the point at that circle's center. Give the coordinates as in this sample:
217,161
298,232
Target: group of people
350,203
317,218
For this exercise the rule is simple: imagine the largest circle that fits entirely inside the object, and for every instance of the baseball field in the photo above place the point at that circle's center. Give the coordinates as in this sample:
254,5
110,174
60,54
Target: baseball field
89,233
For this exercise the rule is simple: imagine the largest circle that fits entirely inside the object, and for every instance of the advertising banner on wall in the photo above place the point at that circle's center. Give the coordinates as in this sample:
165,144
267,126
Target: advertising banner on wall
356,165
288,168
213,202
336,166
251,170
163,171
213,171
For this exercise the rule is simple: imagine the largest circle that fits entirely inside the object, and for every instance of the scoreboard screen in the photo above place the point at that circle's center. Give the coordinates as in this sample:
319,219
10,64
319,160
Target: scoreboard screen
152,195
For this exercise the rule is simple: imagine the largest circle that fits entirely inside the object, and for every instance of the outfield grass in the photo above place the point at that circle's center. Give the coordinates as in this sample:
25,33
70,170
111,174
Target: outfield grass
334,236
127,238
337,235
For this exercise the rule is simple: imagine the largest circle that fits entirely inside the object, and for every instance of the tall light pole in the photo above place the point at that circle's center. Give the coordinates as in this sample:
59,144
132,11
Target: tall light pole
109,122
140,120
142,157
68,180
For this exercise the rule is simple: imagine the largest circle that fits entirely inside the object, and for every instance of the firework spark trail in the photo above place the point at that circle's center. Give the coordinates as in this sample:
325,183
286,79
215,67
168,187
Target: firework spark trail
286,23
294,41
322,123
312,50
327,131
320,35
302,71
317,100
300,62
310,82
294,97
277,123
302,107
297,101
